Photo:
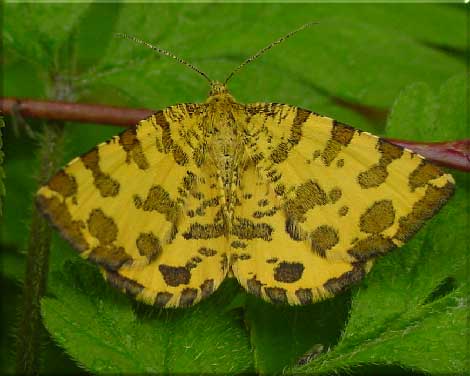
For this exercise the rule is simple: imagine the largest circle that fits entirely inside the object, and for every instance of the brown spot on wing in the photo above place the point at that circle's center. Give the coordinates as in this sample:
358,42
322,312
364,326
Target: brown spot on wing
330,152
109,257
169,145
342,211
57,212
323,238
209,231
263,202
280,153
377,174
372,177
148,245
224,262
273,175
342,133
187,297
339,284
129,286
167,141
305,296
238,244
189,181
371,247
288,272
199,154
422,210
207,288
254,286
246,229
133,148
208,252
106,185
423,174
192,263
294,230
267,213
179,155
341,136
102,227
63,183
158,199
175,275
279,189
335,194
162,299
308,195
277,295
296,129
378,217
389,151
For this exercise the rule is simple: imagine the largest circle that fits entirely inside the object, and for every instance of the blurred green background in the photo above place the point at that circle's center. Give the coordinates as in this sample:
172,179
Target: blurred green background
392,69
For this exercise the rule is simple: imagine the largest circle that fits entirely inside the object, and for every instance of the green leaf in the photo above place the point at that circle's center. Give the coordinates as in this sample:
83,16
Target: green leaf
101,329
452,117
37,31
345,55
420,113
280,335
417,105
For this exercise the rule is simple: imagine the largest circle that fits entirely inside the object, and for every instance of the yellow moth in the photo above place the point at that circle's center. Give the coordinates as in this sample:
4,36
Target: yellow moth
294,205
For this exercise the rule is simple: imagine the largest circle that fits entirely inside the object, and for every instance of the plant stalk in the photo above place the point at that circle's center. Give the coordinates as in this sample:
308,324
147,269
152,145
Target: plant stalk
30,328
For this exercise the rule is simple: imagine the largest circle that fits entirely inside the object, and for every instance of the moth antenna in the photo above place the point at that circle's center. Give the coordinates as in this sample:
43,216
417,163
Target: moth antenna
263,50
163,52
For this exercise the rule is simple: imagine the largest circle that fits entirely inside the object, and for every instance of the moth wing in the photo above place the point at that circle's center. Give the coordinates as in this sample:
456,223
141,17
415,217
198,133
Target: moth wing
138,206
323,202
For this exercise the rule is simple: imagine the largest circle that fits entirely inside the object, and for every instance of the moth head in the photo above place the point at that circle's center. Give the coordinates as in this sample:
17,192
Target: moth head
219,93
217,88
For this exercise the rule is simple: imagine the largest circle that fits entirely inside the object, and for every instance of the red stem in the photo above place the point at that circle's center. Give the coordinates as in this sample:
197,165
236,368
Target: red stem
453,154
77,112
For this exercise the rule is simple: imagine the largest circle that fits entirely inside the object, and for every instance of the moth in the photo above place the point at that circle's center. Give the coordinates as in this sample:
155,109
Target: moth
296,206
